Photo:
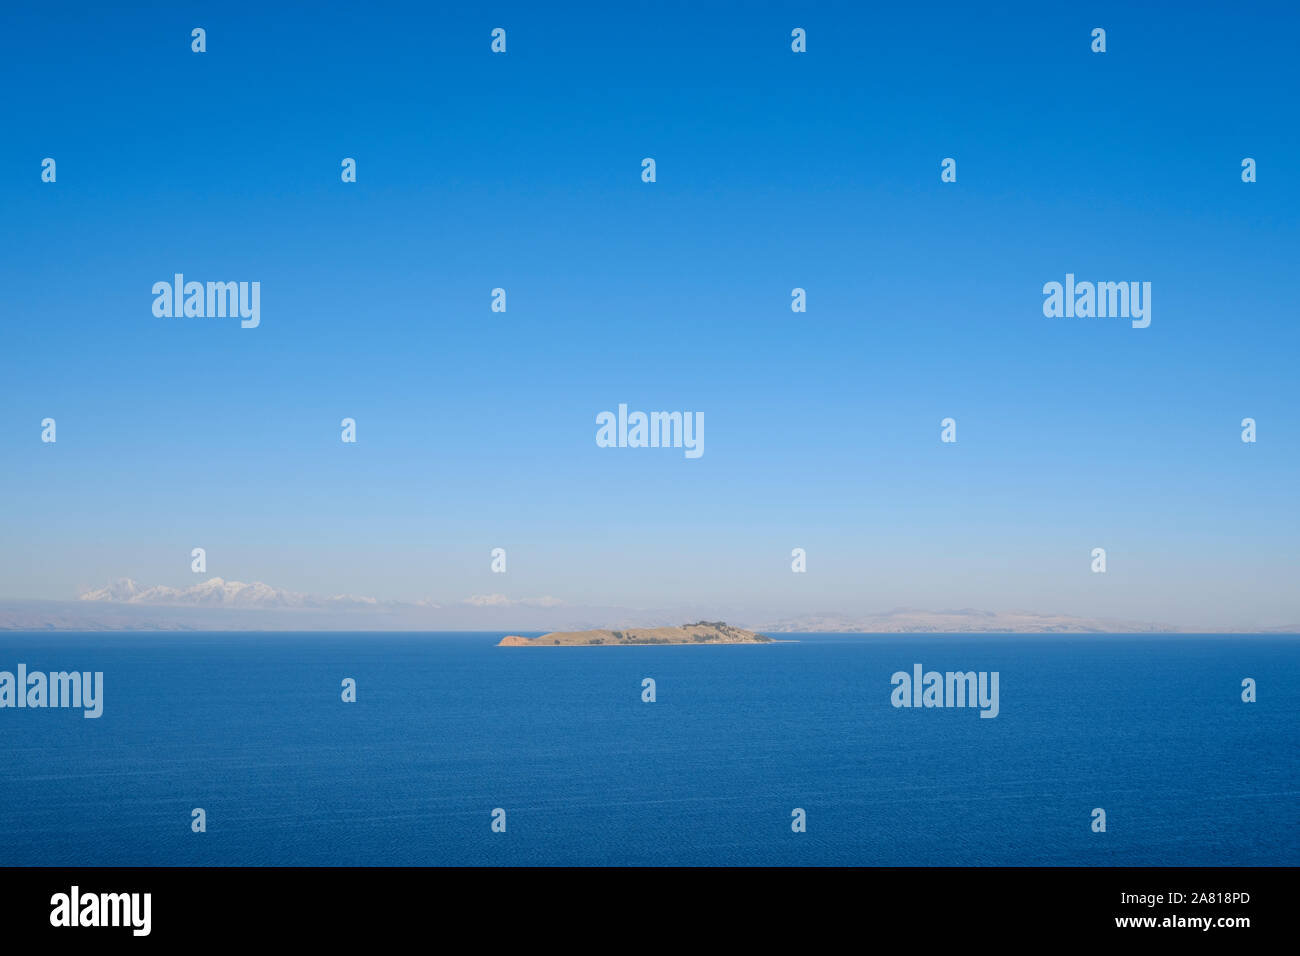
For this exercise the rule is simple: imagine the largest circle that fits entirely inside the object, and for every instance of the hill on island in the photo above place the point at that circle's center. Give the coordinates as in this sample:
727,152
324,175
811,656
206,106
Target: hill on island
701,632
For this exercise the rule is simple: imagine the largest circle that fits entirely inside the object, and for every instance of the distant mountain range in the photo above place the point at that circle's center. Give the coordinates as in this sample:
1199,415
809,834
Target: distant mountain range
221,605
217,592
963,621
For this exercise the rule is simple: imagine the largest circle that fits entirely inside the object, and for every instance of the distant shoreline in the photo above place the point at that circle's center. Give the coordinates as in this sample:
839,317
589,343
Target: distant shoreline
294,612
700,632
498,631
538,643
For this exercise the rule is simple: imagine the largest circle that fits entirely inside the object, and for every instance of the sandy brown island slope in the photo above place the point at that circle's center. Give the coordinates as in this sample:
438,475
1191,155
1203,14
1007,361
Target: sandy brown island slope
702,632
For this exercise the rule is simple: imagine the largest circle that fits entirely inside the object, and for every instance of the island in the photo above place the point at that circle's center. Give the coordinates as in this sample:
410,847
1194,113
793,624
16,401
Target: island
701,632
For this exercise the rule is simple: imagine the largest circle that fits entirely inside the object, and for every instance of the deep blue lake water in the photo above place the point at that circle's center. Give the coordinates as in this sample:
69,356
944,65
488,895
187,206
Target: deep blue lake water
447,727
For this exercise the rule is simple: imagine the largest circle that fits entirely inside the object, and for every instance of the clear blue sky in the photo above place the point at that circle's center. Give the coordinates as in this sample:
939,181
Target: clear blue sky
775,170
